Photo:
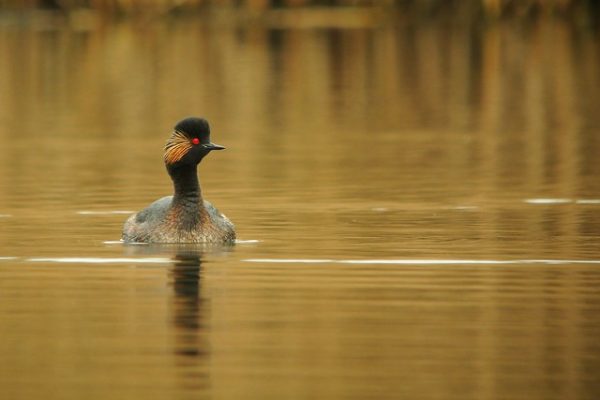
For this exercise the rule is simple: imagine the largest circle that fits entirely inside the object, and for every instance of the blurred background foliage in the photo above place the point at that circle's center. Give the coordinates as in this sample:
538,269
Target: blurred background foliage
487,8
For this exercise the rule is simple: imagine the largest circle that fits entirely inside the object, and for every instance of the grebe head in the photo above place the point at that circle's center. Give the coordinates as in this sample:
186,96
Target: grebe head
189,142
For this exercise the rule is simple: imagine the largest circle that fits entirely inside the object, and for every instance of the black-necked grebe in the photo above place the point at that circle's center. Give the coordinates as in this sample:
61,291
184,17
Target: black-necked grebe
184,217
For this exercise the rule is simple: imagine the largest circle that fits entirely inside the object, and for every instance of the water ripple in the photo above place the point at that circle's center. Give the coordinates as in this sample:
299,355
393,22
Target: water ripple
417,261
561,201
548,201
588,201
99,260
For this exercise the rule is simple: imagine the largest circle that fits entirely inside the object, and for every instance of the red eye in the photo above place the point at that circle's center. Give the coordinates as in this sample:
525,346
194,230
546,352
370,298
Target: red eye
195,140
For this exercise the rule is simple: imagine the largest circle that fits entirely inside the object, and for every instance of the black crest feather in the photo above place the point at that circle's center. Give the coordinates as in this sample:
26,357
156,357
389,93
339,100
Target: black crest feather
195,127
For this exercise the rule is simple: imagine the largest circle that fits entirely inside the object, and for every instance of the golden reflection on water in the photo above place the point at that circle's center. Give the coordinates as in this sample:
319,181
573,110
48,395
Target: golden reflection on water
416,141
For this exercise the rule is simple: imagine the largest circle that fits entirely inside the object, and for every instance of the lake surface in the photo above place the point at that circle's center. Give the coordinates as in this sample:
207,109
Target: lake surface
417,203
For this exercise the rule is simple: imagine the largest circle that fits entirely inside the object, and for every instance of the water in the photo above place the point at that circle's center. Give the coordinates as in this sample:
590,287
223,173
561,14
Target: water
418,208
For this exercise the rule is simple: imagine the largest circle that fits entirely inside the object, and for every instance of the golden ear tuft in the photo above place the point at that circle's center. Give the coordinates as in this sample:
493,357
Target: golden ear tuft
176,147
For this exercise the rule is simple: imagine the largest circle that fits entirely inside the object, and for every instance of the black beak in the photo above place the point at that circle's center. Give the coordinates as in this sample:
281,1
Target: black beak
212,146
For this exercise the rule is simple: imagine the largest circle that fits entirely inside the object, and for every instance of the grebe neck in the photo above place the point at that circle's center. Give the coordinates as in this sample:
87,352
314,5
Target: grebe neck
186,186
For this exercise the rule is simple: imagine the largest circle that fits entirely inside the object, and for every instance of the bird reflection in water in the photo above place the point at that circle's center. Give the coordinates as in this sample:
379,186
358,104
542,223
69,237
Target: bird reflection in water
189,309
185,275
